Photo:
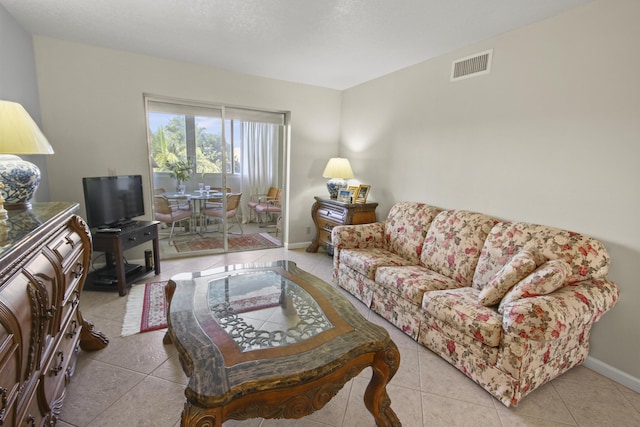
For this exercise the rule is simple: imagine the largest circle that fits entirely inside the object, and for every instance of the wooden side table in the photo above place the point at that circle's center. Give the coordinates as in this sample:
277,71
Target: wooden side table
328,213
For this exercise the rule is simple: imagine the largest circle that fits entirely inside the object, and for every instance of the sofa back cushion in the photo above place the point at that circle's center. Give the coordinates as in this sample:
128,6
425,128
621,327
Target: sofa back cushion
548,278
406,227
454,242
520,266
586,256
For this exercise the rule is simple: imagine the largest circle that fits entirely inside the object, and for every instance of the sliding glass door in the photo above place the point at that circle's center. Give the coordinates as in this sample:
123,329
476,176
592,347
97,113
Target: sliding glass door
216,161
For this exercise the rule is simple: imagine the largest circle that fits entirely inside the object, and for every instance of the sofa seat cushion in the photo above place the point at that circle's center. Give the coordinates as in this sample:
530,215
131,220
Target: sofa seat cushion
444,339
461,309
367,261
411,282
454,242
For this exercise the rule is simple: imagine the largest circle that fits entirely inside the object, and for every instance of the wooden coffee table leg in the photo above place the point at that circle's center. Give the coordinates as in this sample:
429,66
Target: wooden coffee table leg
385,364
193,415
169,290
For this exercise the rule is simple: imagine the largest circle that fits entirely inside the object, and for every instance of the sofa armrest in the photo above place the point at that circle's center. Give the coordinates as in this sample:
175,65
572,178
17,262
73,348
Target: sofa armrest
360,236
560,313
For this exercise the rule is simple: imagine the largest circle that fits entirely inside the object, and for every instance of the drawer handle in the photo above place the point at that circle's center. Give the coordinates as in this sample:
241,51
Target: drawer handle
73,331
77,271
69,241
132,239
60,359
49,313
147,233
76,299
31,420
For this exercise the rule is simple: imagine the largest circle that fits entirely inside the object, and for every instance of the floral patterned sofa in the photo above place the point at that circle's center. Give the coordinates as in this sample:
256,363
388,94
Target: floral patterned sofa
510,304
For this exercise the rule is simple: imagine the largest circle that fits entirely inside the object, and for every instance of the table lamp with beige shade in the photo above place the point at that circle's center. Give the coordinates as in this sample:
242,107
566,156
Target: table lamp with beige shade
19,134
338,169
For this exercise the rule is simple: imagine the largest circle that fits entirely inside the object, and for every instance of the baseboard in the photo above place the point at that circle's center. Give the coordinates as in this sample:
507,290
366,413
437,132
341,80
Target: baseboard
292,246
612,373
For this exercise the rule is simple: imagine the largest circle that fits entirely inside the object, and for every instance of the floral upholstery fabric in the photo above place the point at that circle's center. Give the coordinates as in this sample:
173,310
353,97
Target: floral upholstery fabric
458,344
549,277
454,242
367,261
534,364
360,236
397,310
515,270
357,284
406,227
472,363
411,282
460,309
536,337
560,313
518,356
587,257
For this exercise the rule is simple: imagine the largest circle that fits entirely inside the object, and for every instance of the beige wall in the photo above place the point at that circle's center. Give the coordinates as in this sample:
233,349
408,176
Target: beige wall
18,83
551,136
93,114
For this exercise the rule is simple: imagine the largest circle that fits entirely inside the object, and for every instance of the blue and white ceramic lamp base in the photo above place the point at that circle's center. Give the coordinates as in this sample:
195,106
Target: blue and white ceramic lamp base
334,185
20,179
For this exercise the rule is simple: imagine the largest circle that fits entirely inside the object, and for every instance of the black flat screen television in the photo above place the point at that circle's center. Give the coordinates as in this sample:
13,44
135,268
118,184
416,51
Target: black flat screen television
113,201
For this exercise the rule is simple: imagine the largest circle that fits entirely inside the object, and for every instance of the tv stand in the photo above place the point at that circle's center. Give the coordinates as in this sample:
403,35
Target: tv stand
114,245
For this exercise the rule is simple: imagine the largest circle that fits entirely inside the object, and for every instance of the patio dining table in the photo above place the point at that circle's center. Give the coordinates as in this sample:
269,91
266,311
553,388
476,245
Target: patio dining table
197,200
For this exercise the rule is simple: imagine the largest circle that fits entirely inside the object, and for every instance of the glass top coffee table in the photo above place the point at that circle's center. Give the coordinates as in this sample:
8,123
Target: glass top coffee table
272,341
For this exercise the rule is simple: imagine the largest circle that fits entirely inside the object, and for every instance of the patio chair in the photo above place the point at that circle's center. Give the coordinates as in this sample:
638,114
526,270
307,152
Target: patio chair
269,208
215,209
165,212
256,199
177,203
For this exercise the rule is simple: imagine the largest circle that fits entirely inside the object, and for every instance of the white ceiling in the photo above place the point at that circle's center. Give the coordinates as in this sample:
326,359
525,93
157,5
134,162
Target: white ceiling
330,43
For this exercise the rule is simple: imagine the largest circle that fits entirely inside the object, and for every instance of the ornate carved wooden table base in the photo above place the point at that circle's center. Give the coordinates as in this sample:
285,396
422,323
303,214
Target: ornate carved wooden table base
272,341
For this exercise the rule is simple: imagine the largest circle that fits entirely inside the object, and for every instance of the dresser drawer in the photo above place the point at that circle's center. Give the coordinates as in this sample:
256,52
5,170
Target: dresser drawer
9,379
336,216
325,224
29,411
65,244
59,368
325,237
73,272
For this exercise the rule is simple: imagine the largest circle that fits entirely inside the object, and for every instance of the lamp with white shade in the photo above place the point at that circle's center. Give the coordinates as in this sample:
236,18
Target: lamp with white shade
338,169
19,134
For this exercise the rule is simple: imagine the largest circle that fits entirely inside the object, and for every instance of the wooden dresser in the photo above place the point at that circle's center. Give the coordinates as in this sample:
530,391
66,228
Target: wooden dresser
44,259
328,213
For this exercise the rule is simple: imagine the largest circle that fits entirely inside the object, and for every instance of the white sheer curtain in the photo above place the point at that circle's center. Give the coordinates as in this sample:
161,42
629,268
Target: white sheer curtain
260,155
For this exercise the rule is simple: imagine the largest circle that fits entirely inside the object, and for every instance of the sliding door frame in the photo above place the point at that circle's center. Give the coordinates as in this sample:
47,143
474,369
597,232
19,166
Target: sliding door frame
283,161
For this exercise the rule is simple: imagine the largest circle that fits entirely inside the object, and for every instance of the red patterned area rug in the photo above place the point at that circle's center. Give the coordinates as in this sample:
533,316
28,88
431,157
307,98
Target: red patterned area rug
244,242
147,306
146,309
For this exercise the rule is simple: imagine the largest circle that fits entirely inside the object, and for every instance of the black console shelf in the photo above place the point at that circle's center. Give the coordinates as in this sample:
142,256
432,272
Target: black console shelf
117,274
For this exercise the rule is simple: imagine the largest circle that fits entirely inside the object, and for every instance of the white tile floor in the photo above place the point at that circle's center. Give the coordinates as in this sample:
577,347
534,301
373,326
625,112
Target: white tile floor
137,381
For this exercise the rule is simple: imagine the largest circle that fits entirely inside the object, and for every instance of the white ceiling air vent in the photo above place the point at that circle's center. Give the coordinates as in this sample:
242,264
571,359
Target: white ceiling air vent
471,66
